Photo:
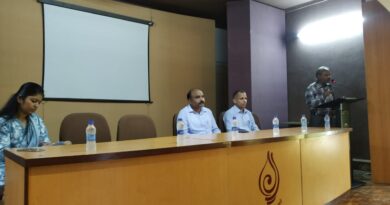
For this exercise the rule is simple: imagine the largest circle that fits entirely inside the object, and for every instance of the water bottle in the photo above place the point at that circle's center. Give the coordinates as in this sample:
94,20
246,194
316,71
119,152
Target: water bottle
327,122
304,124
235,125
275,125
90,133
180,127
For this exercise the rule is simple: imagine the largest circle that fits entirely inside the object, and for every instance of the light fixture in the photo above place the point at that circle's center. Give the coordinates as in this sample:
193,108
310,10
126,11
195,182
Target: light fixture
331,29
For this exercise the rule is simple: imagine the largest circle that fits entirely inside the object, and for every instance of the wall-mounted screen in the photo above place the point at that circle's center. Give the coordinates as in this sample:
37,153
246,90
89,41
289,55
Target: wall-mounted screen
91,55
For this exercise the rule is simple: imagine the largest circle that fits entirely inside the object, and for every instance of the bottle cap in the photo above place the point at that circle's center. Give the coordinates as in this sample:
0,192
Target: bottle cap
90,122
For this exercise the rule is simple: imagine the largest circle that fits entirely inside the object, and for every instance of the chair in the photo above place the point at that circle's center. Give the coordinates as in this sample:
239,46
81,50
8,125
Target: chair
221,123
257,120
73,128
174,122
132,127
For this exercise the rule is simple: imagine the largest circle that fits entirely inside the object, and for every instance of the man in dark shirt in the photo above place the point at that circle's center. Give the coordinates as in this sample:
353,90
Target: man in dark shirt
318,93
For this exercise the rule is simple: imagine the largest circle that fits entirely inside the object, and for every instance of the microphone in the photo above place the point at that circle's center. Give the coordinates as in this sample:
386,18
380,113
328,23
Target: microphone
329,87
332,81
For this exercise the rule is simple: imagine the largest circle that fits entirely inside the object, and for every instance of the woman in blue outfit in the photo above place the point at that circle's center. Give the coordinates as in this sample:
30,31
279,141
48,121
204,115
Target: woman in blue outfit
20,126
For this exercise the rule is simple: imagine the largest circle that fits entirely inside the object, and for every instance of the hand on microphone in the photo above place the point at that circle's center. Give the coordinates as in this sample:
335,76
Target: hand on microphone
327,93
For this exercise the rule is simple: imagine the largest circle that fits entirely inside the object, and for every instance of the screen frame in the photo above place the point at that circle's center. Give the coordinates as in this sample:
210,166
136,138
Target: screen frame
103,13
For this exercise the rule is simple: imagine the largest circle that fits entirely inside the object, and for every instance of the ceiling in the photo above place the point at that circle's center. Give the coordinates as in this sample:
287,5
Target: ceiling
213,9
284,4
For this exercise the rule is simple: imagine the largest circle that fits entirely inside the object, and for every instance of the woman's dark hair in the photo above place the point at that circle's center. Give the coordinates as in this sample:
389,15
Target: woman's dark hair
11,107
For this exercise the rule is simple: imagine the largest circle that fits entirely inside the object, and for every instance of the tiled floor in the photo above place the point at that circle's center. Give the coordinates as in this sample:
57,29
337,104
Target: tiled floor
369,194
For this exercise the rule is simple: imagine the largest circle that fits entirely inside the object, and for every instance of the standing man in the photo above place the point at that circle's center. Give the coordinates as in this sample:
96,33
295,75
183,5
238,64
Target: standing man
244,117
318,93
197,118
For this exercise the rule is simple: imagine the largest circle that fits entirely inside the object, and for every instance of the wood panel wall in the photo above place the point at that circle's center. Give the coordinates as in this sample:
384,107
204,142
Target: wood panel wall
377,60
182,56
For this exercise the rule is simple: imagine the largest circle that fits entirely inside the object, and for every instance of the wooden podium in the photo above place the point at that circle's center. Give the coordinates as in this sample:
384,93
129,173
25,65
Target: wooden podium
342,105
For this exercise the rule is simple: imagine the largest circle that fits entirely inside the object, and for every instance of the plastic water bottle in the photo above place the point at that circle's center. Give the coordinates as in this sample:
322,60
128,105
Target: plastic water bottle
327,122
180,127
235,125
90,133
304,124
275,125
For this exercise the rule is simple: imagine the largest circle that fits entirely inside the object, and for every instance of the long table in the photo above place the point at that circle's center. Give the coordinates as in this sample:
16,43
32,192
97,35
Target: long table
228,168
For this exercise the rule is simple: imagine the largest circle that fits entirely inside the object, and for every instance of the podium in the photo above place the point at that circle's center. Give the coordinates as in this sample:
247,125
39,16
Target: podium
342,105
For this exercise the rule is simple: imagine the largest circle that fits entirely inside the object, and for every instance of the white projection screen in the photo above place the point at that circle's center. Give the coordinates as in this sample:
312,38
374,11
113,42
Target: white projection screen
92,55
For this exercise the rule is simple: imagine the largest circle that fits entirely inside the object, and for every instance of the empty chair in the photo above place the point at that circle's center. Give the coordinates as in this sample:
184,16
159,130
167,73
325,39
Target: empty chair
73,128
132,127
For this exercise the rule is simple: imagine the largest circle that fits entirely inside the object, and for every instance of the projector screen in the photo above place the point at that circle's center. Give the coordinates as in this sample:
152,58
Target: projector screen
92,55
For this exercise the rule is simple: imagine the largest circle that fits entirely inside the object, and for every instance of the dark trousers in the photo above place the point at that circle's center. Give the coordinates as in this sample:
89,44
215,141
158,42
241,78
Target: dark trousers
1,192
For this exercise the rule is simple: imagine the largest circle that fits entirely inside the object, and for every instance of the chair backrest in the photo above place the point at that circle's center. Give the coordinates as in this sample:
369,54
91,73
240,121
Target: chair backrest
257,120
221,123
132,127
174,131
73,128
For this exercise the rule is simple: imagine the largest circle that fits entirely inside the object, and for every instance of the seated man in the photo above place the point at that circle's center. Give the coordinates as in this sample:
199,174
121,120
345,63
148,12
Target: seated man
246,122
197,118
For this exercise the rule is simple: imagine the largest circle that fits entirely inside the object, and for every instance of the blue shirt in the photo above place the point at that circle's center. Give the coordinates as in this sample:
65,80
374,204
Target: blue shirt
14,134
198,123
244,117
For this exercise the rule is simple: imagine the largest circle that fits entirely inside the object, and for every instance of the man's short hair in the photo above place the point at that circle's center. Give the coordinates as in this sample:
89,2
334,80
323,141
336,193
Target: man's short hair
189,93
238,91
320,70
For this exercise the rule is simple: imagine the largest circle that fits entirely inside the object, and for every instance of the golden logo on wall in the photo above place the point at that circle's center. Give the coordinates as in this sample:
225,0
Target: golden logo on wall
269,179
